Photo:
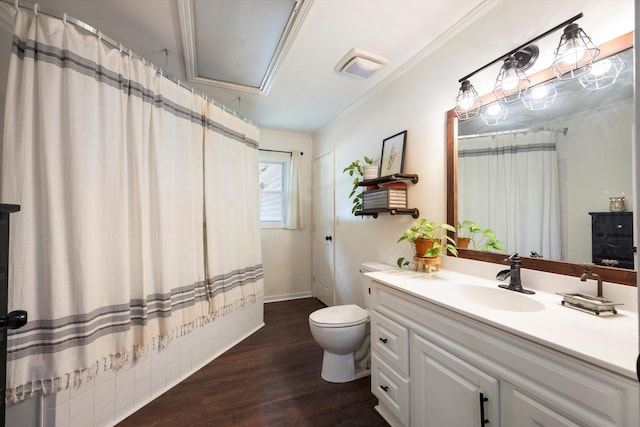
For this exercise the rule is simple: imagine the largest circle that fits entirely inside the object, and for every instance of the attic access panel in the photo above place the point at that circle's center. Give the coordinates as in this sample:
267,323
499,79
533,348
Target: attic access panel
238,44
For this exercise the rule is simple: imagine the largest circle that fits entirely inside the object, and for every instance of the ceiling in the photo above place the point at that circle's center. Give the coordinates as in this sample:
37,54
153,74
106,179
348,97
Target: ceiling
306,92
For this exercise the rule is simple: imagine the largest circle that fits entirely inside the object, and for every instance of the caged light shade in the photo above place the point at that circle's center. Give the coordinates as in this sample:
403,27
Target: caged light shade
603,73
540,97
575,53
511,82
494,113
468,102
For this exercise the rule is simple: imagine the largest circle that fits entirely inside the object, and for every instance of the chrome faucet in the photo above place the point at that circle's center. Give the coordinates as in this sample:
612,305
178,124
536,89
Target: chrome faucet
513,273
589,274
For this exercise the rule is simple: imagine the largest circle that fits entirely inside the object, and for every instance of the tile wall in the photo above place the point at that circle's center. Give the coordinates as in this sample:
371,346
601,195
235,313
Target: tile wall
113,395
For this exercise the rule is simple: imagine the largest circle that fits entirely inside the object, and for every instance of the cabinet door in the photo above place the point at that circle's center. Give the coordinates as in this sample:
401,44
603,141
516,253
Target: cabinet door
528,412
447,391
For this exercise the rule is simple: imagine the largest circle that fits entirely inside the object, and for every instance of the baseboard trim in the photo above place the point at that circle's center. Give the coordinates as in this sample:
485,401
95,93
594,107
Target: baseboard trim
287,297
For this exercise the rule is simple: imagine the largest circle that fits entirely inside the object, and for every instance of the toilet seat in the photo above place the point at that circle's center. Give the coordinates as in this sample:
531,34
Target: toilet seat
339,316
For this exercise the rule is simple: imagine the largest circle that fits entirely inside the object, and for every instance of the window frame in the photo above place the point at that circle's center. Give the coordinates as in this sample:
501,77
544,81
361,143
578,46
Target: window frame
283,159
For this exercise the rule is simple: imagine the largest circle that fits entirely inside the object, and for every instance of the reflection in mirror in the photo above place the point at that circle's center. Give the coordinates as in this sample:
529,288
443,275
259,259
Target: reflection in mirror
537,178
534,178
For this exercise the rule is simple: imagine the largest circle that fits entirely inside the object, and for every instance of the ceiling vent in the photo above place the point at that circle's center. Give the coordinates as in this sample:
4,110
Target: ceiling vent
360,63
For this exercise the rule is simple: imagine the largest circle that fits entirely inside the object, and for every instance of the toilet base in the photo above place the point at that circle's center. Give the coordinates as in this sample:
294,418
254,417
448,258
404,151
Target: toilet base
341,368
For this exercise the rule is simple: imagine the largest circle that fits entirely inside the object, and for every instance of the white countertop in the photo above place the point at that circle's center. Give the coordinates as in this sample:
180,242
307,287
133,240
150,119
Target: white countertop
609,341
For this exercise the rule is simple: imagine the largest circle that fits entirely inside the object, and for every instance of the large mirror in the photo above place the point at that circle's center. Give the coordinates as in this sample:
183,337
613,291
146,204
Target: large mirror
572,159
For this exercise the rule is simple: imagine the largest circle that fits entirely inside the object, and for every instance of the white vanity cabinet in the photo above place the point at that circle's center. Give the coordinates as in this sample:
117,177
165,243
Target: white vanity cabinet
432,367
390,368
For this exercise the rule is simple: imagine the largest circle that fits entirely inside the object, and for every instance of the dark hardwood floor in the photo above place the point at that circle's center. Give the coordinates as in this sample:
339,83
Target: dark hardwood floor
270,379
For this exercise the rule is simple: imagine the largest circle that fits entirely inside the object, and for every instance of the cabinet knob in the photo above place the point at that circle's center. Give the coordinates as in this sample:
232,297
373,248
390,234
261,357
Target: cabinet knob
384,340
619,226
385,388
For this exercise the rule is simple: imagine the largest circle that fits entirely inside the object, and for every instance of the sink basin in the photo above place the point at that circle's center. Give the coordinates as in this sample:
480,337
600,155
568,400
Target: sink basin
496,298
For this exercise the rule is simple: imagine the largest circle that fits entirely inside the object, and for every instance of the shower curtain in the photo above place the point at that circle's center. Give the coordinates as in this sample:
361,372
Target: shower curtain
509,183
233,261
117,169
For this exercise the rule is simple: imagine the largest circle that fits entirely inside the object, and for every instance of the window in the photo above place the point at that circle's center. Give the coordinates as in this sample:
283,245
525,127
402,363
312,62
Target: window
273,173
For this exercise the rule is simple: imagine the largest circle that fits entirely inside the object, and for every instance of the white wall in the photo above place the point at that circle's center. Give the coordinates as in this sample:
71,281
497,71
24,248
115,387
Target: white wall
417,101
598,165
286,254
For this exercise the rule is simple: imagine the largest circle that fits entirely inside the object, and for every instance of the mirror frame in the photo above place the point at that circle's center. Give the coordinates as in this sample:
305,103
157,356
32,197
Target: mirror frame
608,274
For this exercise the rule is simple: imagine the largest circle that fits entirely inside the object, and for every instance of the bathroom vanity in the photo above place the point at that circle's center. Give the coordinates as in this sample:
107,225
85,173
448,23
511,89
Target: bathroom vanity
453,349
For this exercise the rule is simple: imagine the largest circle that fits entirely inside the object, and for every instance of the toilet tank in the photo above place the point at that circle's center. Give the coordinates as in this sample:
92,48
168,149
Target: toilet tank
368,267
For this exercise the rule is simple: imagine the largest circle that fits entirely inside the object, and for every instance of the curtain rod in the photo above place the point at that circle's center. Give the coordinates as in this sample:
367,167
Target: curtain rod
506,132
108,40
278,151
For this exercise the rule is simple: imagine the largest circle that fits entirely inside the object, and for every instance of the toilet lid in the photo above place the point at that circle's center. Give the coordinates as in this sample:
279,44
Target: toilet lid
339,316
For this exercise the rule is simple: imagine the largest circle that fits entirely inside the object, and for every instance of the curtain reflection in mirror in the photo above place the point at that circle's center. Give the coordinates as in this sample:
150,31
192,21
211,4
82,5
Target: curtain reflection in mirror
511,178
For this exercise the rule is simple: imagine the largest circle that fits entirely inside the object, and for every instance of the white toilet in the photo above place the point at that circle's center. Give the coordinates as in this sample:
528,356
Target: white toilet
343,332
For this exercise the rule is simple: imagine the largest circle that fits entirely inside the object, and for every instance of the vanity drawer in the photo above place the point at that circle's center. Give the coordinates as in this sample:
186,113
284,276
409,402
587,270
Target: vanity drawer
391,388
605,224
390,340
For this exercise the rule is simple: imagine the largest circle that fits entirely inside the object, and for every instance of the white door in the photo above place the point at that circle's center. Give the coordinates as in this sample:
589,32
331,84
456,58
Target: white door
323,262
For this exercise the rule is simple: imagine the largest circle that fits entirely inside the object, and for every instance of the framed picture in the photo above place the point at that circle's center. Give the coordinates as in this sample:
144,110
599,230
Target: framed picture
392,158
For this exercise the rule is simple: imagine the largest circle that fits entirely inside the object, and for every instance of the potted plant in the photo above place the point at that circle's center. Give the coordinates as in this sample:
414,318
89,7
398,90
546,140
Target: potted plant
484,240
426,238
359,170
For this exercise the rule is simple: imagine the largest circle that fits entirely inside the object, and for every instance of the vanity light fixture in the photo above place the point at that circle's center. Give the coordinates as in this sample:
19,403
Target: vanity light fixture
575,53
603,73
468,102
494,113
540,96
512,82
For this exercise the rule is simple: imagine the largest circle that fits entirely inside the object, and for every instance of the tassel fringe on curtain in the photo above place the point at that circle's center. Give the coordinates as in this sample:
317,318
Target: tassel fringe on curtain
117,169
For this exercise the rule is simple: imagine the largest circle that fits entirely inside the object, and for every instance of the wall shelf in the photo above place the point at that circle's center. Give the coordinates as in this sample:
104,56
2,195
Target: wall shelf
413,178
392,211
390,178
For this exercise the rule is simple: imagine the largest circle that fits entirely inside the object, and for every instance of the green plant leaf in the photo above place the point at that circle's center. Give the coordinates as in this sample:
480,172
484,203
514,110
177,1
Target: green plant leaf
451,248
448,227
402,261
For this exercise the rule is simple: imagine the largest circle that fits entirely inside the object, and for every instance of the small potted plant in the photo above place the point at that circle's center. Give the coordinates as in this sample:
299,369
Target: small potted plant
482,239
367,169
427,239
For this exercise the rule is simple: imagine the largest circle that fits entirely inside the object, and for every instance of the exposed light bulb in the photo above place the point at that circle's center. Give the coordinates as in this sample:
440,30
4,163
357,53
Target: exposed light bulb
466,100
539,92
494,109
573,53
510,80
601,67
